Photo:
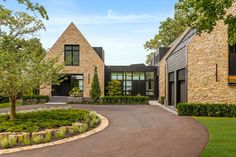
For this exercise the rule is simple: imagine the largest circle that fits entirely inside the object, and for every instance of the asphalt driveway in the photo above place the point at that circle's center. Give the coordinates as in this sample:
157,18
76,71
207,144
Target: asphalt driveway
134,131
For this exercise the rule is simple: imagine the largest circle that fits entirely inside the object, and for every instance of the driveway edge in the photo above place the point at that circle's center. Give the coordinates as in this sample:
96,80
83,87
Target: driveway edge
104,124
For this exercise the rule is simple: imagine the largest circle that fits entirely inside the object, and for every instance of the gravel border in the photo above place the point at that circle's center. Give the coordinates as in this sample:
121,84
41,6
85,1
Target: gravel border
102,126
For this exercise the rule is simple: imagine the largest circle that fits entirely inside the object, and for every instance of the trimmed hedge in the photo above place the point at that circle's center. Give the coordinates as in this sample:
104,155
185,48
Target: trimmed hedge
210,110
29,99
124,100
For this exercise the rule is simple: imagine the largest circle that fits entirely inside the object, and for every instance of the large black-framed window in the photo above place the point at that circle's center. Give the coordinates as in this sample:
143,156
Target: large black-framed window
232,60
77,81
71,55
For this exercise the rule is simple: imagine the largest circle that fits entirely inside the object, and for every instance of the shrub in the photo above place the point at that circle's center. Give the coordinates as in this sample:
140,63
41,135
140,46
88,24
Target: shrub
95,91
37,139
26,141
211,110
61,133
124,100
47,136
83,128
31,99
5,143
162,100
114,88
75,127
75,92
9,141
12,140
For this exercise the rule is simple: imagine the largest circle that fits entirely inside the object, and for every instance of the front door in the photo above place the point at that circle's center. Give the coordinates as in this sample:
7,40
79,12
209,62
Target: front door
139,87
63,89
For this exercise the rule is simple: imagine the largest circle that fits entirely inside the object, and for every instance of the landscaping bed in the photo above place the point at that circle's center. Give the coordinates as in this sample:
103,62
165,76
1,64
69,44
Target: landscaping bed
222,139
45,125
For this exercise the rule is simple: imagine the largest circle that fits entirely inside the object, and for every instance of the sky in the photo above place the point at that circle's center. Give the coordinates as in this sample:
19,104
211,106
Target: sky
120,27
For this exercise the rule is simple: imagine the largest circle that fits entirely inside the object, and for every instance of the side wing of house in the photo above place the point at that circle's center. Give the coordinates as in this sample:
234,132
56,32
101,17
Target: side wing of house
79,60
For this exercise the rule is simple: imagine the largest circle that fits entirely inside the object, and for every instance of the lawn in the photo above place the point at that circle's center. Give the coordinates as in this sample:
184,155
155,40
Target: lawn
7,104
222,136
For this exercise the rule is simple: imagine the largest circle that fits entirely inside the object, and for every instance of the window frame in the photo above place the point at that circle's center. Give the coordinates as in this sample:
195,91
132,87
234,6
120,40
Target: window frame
72,54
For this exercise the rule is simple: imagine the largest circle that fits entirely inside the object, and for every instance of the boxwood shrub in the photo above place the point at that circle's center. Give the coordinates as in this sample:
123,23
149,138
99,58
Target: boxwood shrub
210,110
31,99
124,100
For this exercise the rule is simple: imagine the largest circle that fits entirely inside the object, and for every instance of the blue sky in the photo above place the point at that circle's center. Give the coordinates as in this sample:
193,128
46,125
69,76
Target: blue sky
120,27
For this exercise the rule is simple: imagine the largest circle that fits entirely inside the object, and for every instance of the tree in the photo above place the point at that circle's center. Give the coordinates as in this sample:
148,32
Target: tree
204,14
169,30
114,88
21,65
95,91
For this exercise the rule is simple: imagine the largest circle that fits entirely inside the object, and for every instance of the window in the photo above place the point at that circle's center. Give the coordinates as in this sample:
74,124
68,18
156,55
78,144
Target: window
116,76
128,76
77,81
150,84
138,76
232,60
71,55
127,87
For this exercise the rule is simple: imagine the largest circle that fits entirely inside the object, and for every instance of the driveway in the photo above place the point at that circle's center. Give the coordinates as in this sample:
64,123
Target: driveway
134,131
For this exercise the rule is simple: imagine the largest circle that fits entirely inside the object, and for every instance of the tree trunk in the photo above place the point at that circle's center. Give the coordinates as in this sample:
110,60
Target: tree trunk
13,107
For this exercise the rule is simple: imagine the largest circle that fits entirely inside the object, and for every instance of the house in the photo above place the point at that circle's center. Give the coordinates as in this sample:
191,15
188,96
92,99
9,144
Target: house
199,68
79,59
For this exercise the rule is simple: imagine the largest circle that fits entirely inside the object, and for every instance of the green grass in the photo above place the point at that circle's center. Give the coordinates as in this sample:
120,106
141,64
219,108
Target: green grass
222,136
7,104
42,119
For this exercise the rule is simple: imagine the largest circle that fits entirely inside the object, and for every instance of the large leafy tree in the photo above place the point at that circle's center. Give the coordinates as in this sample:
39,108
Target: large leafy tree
22,67
199,14
169,30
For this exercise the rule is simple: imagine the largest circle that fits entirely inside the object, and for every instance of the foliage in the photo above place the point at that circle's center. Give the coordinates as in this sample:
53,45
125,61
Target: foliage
37,139
114,88
222,139
162,100
125,100
61,132
168,32
21,66
34,99
4,99
38,120
83,128
75,127
8,142
47,136
95,91
75,92
211,110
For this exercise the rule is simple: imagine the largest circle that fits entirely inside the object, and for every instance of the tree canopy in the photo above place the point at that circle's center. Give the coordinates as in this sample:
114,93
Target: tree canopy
199,14
22,67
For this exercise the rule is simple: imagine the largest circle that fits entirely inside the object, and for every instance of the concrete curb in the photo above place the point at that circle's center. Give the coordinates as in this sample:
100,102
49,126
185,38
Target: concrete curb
155,103
102,126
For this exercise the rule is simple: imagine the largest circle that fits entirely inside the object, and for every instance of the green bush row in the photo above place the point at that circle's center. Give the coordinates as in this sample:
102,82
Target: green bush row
124,100
210,110
29,99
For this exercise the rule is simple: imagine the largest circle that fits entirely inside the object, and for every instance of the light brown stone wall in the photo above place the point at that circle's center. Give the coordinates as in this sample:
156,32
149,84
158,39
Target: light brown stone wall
204,52
162,78
88,59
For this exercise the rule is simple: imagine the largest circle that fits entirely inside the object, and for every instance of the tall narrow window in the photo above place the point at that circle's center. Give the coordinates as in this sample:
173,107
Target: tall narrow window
71,55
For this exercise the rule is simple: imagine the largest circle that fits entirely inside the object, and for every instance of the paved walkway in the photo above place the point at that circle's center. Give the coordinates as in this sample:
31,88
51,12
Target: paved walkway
134,131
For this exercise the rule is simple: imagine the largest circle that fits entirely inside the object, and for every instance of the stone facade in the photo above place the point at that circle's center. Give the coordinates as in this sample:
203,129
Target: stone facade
208,68
208,61
88,59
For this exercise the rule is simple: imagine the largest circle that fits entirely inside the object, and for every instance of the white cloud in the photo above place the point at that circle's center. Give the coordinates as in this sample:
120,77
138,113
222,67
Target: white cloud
110,18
